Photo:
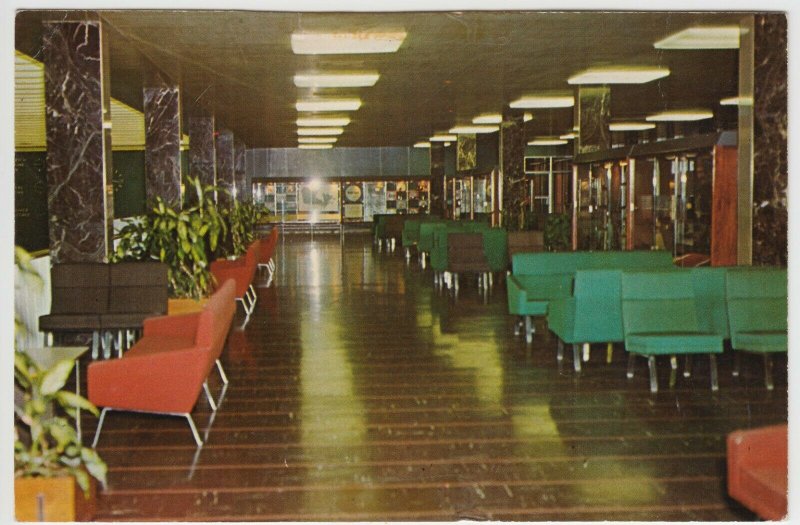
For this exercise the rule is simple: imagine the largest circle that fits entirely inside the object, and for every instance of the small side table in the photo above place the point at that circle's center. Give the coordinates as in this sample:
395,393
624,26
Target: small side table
47,357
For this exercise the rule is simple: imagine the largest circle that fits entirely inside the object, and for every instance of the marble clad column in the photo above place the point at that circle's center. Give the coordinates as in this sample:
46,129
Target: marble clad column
438,203
202,153
240,171
770,172
162,144
80,194
512,169
592,117
226,175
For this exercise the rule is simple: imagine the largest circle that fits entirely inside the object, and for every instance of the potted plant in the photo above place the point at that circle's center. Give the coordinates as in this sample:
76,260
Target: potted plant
241,219
184,239
50,463
557,232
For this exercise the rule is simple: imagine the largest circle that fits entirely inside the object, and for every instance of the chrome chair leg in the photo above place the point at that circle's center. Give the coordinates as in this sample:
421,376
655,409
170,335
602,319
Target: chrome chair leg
222,374
609,353
631,365
768,372
211,402
560,350
651,364
587,349
714,374
194,430
99,426
737,363
576,358
95,343
687,367
529,329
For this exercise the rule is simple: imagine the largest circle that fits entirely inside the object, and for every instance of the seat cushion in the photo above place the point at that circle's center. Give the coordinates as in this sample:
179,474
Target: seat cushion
668,343
69,322
124,321
760,341
159,343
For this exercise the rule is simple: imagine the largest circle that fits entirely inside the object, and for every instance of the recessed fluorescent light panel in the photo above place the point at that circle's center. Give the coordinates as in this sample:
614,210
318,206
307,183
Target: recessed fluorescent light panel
568,136
315,146
546,141
527,117
684,115
323,121
342,104
488,118
422,145
630,126
347,43
444,138
618,75
335,80
473,129
543,101
319,131
737,101
316,140
709,37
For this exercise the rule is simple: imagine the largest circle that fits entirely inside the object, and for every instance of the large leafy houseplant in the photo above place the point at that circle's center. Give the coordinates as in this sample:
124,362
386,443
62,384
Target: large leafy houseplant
242,219
51,447
183,239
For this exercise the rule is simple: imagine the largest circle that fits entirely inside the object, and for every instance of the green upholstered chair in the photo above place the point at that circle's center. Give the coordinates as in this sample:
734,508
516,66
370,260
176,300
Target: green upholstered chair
757,314
660,316
538,278
592,313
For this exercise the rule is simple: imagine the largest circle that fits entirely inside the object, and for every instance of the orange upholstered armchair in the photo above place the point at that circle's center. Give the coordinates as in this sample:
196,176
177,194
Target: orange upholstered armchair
265,260
241,271
758,470
165,370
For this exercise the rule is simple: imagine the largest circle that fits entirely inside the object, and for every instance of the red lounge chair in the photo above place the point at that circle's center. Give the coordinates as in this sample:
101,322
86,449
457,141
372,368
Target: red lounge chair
242,271
758,470
164,371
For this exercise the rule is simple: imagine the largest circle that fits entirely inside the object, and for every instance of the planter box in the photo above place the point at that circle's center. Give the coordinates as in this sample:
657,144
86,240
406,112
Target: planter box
53,499
185,306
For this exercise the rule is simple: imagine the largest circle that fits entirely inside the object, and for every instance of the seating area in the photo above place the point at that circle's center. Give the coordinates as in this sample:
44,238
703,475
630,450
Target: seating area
241,271
758,470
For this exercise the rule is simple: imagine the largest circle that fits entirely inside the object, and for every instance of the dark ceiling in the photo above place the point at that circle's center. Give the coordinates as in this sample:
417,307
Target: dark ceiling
451,67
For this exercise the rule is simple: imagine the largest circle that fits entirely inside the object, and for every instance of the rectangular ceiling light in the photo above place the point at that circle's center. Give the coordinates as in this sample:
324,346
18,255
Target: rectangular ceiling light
347,43
709,37
684,115
488,118
335,80
444,138
618,75
630,126
568,136
544,101
463,130
317,140
323,121
546,141
736,101
422,145
528,116
342,104
315,146
319,131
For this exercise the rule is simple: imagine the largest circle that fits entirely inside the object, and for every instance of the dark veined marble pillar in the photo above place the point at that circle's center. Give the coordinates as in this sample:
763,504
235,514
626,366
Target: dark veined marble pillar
438,203
162,144
592,117
770,172
80,194
512,169
226,175
202,153
240,171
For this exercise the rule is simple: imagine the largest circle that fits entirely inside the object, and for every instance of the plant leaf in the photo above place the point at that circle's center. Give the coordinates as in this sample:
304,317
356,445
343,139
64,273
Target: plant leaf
55,378
73,400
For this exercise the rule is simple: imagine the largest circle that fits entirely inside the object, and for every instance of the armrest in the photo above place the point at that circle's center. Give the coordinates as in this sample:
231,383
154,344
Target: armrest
178,325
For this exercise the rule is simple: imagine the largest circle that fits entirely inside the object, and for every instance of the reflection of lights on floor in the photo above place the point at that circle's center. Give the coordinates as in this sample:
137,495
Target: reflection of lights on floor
314,218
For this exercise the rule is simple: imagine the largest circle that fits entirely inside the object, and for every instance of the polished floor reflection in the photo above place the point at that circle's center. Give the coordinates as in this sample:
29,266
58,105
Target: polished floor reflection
359,393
